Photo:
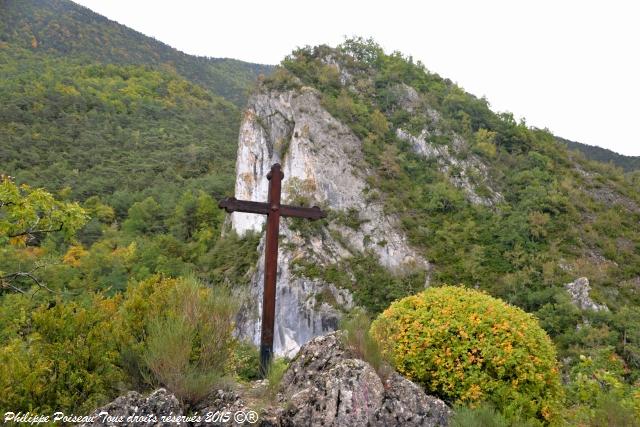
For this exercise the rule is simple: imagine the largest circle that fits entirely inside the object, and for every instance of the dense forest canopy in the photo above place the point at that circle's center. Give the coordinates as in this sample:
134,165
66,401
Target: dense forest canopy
63,28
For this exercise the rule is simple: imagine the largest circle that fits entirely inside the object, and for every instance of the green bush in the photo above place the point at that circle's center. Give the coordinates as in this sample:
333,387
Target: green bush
358,339
466,346
58,357
247,362
480,416
597,394
180,333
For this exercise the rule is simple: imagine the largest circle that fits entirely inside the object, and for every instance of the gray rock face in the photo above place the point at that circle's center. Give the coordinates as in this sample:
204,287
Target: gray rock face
133,409
323,163
465,174
406,404
326,385
579,292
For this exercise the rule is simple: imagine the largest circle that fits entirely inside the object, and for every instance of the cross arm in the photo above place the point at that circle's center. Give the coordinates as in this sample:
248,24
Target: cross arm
231,204
300,212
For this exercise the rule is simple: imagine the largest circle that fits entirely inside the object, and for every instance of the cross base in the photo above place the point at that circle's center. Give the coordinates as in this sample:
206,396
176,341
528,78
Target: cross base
266,355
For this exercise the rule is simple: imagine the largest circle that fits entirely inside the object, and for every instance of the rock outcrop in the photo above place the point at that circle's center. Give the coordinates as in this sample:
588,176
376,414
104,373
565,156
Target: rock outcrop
327,385
467,174
323,165
579,292
133,409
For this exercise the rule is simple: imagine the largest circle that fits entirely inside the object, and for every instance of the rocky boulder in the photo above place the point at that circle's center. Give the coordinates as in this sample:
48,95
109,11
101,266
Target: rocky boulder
579,292
327,385
133,409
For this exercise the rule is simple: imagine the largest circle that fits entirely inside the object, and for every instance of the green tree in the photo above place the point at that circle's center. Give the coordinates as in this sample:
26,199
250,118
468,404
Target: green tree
27,215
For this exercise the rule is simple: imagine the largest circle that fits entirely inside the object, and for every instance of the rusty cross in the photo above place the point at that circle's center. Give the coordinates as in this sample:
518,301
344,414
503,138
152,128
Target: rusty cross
274,210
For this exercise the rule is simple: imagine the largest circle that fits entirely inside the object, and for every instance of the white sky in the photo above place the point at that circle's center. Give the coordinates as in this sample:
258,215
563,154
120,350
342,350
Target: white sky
565,65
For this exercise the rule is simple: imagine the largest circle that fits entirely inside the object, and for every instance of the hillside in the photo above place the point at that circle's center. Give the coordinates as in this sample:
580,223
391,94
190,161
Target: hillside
423,181
102,129
128,115
424,185
599,154
63,28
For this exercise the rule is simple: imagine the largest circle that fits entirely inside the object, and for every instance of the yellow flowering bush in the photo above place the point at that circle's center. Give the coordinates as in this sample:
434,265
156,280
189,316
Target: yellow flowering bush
468,347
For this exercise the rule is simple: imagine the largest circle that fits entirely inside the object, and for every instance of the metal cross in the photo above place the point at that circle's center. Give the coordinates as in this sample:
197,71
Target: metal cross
274,210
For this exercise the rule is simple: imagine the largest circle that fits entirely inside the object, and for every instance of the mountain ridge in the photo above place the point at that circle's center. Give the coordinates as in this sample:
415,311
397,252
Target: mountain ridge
604,155
64,28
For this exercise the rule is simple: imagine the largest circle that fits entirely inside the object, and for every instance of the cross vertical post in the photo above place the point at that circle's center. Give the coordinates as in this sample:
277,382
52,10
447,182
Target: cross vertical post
270,267
273,209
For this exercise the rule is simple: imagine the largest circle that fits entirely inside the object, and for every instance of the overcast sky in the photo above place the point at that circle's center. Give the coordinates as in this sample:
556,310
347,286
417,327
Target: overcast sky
570,66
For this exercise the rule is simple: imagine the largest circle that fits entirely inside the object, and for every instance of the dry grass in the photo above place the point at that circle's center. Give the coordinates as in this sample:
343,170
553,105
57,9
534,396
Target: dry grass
189,348
357,338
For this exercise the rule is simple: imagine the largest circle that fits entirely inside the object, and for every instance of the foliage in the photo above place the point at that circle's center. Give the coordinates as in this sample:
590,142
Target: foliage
119,132
466,346
62,28
373,286
182,331
27,213
628,163
483,415
59,356
275,373
247,361
27,216
358,339
598,395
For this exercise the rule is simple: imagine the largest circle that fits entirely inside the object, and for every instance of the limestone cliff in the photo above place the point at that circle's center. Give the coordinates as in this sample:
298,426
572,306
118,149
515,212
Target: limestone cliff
323,164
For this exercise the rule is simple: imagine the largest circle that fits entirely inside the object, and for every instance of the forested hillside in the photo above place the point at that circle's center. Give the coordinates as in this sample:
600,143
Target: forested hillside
110,130
491,202
124,255
628,163
62,28
144,138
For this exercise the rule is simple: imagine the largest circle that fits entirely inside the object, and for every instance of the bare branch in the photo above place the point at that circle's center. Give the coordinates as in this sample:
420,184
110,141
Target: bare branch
31,231
7,280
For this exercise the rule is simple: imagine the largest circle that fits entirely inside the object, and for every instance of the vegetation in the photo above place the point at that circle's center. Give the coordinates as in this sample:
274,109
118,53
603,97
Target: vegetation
559,216
358,339
63,28
58,356
466,346
627,163
373,287
117,150
119,147
189,348
122,133
483,415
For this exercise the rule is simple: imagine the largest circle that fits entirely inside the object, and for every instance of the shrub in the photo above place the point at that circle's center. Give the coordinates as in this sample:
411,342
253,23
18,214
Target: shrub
598,394
246,362
480,416
180,333
359,340
58,357
466,346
